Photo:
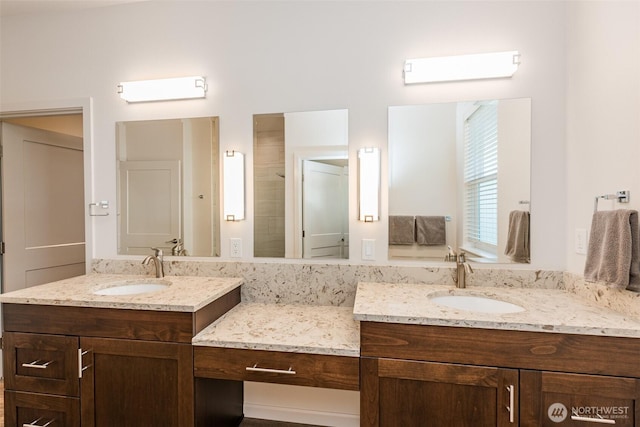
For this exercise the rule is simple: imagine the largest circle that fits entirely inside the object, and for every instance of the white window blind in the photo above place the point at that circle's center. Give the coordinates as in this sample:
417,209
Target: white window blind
481,178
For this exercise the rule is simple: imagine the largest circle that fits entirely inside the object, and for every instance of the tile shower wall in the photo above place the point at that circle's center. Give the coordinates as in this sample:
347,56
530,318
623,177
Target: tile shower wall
268,169
328,284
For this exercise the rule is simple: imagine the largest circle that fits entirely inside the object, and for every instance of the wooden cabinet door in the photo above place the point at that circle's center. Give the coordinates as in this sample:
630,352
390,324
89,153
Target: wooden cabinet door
136,383
408,393
552,399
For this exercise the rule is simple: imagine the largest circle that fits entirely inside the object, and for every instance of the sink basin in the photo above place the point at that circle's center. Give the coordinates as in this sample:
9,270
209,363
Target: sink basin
133,288
476,303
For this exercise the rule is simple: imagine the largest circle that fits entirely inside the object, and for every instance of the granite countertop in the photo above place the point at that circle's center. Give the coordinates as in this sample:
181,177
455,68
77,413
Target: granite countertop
288,328
545,310
183,293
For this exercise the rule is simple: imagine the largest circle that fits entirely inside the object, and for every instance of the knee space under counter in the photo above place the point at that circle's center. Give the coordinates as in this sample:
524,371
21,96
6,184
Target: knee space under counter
316,346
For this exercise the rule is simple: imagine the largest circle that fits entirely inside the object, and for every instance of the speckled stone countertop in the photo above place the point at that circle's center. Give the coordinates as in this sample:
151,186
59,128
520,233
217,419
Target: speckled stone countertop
184,294
288,328
546,310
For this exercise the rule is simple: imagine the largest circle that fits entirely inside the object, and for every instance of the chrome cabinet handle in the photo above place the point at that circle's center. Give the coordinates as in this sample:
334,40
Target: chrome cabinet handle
37,365
81,368
255,368
593,420
33,423
511,388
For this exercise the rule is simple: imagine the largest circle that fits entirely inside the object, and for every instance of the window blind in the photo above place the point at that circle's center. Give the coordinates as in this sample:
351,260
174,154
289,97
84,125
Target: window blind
481,178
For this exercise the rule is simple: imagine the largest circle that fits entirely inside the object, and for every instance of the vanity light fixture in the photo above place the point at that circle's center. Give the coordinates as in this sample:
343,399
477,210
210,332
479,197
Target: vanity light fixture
461,67
233,180
163,89
369,184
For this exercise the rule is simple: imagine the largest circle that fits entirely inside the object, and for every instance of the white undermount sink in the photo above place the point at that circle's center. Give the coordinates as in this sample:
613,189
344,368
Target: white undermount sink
132,288
476,303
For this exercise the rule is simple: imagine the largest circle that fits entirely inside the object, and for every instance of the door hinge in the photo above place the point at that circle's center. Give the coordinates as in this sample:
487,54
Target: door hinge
1,248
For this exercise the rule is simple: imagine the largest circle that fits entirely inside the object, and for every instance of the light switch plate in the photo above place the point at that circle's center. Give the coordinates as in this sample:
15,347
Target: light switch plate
581,241
369,249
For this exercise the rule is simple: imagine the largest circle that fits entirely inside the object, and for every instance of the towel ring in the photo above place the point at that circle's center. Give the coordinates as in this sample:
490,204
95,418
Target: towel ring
622,196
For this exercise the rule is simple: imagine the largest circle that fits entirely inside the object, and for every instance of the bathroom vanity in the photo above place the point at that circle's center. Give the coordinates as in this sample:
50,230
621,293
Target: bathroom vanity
312,346
561,360
85,351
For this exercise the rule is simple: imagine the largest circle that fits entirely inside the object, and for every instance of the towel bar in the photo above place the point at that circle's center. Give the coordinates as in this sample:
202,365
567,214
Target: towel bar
621,196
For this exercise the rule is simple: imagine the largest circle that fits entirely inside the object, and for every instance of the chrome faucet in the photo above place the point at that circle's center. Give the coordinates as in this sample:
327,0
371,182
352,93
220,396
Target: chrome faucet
157,261
462,266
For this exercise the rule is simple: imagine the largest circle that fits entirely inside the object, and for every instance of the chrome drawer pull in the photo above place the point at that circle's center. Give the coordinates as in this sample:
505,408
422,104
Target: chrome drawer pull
510,408
255,368
36,364
81,368
33,423
593,420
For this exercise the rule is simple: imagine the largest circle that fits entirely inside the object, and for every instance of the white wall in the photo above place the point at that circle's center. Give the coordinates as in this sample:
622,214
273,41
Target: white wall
603,111
295,56
422,170
514,164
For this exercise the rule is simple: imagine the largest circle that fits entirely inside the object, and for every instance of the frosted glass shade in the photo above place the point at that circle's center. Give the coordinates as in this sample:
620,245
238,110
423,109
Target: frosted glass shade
233,180
369,184
163,89
462,67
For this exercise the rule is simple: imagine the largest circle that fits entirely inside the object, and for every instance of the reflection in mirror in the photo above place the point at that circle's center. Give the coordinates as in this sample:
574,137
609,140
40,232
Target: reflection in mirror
459,176
168,180
296,217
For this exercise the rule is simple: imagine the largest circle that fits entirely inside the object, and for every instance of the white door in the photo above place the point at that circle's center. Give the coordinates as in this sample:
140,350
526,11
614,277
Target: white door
149,206
323,210
42,206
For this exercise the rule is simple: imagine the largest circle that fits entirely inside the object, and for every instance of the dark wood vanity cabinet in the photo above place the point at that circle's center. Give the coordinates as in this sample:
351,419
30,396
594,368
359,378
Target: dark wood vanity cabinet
80,366
412,393
41,380
413,375
552,398
134,383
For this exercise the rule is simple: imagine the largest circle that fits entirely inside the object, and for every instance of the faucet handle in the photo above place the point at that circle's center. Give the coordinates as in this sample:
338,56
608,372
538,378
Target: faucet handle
451,254
158,252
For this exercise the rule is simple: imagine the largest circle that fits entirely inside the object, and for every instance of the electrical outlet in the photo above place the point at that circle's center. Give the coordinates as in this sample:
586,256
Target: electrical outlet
581,241
235,246
369,249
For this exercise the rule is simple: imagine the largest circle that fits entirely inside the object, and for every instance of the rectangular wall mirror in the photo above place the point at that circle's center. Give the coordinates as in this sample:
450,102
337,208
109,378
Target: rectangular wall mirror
301,172
168,186
459,176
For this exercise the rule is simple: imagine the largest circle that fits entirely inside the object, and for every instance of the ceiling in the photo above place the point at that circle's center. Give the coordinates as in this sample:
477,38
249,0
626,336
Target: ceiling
32,7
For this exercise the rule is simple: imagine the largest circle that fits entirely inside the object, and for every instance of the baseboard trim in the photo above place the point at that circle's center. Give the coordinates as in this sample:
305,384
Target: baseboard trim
302,416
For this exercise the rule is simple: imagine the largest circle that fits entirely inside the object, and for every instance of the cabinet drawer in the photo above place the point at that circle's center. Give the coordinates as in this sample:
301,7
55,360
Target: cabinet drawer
510,349
33,409
41,363
313,370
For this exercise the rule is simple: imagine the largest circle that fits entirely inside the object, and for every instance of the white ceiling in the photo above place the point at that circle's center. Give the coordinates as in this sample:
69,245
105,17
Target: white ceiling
31,7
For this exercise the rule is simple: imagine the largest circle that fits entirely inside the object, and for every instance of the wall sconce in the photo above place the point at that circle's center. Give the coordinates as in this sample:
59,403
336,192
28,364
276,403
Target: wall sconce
163,89
462,67
369,184
233,186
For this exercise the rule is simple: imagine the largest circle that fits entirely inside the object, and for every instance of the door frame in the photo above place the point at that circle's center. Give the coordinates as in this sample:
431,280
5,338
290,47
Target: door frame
69,106
325,153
